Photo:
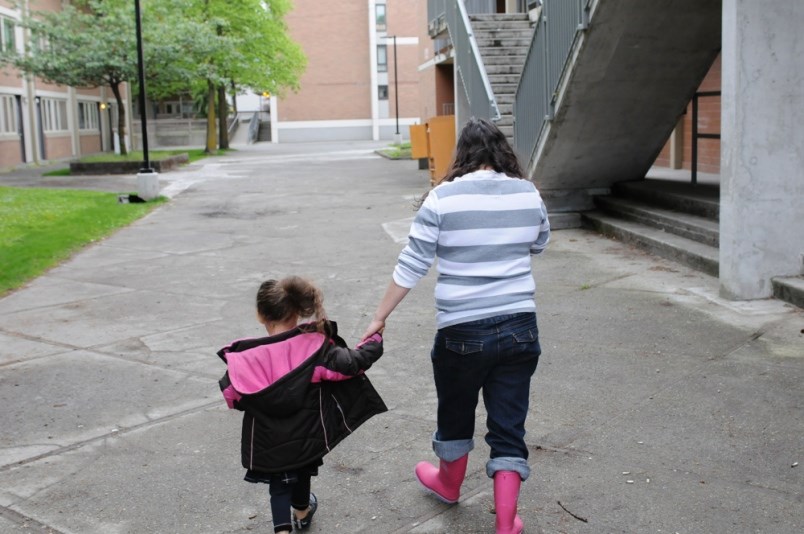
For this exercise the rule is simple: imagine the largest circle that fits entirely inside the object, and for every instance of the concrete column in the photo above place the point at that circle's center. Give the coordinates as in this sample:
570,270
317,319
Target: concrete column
762,145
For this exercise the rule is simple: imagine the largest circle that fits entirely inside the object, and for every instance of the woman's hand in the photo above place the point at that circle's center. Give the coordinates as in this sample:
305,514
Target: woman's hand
374,327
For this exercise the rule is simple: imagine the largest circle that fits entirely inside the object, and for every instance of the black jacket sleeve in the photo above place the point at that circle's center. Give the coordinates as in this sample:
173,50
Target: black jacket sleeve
351,361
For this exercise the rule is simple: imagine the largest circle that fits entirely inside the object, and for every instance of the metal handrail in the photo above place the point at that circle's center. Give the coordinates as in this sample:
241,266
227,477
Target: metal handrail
697,135
253,128
560,24
469,64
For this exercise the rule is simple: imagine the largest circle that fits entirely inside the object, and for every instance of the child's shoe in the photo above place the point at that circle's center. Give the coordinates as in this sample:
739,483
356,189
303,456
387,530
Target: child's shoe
302,524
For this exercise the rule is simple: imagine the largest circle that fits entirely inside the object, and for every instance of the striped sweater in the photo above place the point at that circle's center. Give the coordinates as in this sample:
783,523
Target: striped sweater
482,227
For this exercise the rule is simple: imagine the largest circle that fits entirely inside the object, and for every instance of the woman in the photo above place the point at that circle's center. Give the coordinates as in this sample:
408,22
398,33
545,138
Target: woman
482,222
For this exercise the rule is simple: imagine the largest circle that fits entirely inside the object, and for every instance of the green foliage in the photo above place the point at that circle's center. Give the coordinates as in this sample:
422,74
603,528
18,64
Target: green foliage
186,44
42,227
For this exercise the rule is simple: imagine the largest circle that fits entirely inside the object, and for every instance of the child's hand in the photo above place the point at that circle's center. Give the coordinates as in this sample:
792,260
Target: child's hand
375,338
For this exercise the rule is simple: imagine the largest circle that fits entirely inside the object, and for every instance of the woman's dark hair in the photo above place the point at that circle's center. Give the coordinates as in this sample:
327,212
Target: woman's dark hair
481,143
282,299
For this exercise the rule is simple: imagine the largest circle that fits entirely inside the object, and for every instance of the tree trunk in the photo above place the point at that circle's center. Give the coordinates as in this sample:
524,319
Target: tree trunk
211,133
121,118
223,116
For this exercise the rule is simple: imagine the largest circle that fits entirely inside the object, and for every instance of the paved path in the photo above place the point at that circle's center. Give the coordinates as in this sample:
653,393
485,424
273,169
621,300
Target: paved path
657,407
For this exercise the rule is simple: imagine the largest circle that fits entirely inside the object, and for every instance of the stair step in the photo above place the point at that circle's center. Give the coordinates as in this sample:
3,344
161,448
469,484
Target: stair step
503,78
507,59
700,199
789,289
501,89
506,99
504,69
702,257
501,42
693,227
495,34
499,17
489,51
506,120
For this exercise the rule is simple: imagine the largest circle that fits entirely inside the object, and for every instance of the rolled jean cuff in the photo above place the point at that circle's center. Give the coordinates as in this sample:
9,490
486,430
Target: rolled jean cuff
449,451
518,465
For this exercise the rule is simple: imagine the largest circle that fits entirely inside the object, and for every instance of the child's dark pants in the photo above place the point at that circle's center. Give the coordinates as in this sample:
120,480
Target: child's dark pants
288,489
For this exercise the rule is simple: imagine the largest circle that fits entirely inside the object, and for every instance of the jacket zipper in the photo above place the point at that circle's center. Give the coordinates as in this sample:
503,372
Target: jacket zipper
343,415
321,415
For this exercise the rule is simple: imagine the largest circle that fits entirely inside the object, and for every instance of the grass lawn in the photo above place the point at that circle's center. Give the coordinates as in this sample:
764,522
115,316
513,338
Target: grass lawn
154,155
194,154
397,151
39,228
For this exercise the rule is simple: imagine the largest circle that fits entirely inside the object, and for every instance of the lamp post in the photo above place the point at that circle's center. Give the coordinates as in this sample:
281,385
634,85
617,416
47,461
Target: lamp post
397,135
147,179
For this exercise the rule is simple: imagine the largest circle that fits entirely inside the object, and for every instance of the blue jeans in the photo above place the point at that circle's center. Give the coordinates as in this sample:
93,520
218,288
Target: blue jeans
497,355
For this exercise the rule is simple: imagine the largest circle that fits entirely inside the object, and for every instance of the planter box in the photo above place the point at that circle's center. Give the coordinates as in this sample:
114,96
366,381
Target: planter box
127,167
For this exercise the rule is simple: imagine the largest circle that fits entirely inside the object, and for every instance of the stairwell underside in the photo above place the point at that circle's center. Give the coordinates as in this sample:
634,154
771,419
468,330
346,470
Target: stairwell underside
637,66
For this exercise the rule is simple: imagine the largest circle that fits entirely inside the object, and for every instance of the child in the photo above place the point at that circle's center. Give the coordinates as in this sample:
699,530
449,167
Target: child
302,391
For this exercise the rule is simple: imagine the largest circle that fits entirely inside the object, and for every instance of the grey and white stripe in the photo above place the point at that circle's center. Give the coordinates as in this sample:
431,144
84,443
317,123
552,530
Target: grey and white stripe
482,227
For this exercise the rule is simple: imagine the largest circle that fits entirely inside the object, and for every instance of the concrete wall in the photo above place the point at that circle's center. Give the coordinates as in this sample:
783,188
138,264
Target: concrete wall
762,190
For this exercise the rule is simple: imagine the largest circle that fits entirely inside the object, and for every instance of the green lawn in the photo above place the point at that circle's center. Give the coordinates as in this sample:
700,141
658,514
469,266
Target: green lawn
39,228
194,154
154,155
397,151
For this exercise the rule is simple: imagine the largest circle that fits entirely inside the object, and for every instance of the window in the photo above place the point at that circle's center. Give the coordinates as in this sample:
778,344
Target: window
382,58
54,115
8,114
8,40
87,116
379,11
382,92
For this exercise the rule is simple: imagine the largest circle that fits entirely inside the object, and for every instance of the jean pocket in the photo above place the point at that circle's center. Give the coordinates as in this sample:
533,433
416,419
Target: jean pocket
526,336
464,347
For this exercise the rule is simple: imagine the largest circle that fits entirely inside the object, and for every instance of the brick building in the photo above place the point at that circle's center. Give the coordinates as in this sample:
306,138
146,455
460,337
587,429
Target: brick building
351,85
41,121
677,153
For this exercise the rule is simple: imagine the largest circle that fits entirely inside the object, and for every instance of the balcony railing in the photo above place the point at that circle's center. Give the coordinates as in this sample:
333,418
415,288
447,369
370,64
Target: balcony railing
559,26
468,63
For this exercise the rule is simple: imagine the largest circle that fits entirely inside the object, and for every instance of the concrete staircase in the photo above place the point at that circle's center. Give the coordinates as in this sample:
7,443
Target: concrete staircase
503,40
264,135
675,220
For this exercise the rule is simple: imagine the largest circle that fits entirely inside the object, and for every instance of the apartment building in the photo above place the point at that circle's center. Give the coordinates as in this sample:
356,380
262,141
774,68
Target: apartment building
40,121
361,80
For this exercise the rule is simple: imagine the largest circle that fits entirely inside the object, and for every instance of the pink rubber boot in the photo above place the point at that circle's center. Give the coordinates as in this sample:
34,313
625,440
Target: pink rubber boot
506,494
445,482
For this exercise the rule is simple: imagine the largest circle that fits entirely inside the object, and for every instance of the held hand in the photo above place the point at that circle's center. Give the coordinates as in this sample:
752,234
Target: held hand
374,327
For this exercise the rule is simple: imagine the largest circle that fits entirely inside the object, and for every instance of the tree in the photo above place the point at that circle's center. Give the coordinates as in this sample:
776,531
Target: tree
189,45
253,51
90,43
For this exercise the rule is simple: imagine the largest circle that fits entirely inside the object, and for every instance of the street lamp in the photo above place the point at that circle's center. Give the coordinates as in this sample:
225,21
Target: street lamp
147,179
397,136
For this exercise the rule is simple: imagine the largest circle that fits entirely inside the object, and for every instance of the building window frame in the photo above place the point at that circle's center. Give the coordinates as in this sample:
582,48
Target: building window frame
382,92
382,58
8,34
54,115
8,116
88,116
380,16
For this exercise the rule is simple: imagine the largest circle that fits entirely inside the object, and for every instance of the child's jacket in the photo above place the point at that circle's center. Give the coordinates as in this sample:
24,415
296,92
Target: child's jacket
302,393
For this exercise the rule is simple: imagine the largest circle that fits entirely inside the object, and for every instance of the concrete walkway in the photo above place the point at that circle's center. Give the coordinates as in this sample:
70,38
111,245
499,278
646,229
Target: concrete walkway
657,407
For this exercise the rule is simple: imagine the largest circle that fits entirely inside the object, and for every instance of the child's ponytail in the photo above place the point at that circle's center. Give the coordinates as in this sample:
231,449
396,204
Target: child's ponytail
279,300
